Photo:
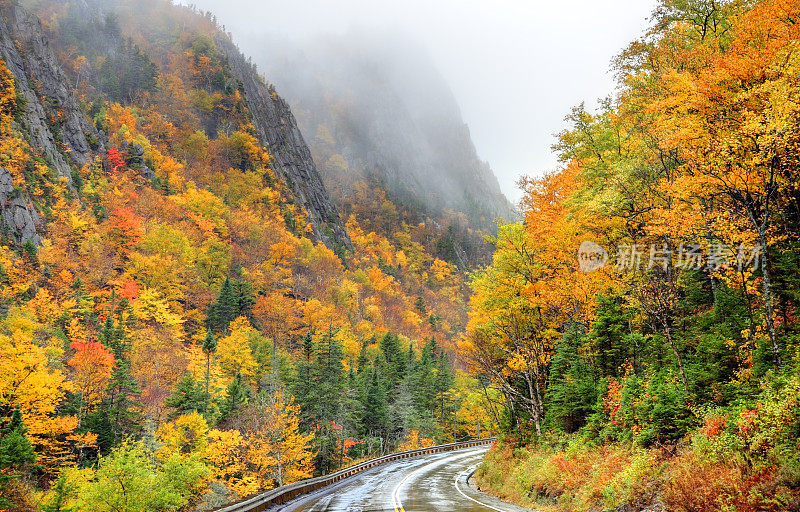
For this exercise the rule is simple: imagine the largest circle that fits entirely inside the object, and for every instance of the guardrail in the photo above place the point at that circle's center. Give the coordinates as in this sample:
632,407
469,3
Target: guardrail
280,495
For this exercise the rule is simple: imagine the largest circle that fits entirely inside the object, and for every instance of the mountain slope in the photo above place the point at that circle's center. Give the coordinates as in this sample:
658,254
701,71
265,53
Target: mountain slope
171,324
374,107
279,133
49,114
94,28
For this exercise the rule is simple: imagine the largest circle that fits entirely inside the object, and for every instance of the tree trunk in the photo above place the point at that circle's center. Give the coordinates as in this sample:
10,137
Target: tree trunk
709,236
768,296
535,404
279,475
490,404
749,308
668,332
208,378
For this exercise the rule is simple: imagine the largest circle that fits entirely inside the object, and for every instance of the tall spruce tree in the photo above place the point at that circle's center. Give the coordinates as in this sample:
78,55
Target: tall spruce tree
444,382
319,387
16,452
117,416
303,383
572,394
329,383
235,299
189,395
236,396
395,359
425,377
609,337
375,414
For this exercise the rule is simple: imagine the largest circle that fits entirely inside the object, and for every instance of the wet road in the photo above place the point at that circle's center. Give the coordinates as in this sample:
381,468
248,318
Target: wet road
430,483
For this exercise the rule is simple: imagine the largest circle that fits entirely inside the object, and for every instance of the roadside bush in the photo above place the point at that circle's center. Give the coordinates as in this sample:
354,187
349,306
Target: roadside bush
694,485
576,477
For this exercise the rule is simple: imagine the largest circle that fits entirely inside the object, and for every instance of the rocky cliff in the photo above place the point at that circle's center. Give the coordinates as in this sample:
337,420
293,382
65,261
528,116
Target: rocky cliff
374,106
52,118
49,117
280,134
19,219
270,114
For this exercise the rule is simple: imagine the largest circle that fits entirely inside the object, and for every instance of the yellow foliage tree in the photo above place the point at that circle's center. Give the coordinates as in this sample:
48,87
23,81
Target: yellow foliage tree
28,381
233,351
278,452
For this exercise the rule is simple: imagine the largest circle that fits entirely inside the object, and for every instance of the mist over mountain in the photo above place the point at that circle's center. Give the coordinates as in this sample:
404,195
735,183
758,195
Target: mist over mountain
374,108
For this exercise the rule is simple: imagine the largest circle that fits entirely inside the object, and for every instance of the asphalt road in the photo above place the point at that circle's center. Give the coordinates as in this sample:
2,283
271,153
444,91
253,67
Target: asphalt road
430,483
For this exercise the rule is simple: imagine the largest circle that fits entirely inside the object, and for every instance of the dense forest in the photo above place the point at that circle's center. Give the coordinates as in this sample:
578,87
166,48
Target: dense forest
659,371
182,323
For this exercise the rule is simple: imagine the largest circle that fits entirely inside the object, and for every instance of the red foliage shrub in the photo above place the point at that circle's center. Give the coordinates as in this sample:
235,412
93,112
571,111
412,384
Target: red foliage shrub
713,427
116,159
696,485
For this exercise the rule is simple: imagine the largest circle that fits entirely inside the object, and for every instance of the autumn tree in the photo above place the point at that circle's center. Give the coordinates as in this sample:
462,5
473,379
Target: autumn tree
130,479
92,364
277,450
509,336
28,384
233,354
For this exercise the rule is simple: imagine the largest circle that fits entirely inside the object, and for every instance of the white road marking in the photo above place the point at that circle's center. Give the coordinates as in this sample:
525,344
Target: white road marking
458,488
396,503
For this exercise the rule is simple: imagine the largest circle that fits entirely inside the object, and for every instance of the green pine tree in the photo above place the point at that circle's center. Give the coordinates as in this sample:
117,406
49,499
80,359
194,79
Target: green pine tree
116,418
395,360
302,384
237,394
375,417
187,396
16,452
323,404
235,299
424,377
444,382
572,395
609,337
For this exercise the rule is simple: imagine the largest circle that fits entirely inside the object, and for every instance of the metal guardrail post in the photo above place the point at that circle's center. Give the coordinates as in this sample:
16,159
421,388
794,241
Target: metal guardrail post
263,501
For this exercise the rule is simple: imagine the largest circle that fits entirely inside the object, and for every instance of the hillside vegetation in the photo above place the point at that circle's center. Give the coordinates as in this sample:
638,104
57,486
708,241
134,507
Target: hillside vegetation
667,378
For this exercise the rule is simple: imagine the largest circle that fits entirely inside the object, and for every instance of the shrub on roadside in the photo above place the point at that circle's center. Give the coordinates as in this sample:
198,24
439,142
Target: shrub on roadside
577,477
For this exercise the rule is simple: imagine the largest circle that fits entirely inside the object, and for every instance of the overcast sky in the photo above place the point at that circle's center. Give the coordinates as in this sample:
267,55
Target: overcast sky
516,67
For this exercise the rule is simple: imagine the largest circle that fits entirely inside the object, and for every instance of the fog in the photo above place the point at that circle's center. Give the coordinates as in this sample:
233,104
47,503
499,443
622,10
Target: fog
515,68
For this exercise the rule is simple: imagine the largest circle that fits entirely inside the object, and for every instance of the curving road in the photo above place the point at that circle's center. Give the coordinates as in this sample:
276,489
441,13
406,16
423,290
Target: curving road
429,483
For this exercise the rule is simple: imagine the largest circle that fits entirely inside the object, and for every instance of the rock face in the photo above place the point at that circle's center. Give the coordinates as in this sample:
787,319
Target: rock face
379,102
279,132
52,117
19,219
277,128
